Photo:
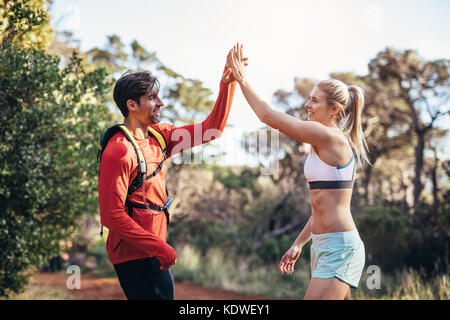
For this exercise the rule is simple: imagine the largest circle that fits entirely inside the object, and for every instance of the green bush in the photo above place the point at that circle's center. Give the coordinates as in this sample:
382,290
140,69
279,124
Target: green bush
237,178
50,121
389,237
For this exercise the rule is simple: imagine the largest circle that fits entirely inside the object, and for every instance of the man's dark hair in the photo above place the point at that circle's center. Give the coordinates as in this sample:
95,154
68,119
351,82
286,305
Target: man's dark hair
132,86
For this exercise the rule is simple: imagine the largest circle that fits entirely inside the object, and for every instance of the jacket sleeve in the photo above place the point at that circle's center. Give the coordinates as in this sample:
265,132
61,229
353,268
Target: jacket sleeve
191,135
115,172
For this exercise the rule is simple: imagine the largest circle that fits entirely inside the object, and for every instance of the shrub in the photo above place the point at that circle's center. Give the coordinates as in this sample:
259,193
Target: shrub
50,121
388,236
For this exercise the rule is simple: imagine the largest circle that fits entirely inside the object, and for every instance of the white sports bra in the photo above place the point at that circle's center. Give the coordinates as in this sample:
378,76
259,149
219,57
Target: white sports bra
323,176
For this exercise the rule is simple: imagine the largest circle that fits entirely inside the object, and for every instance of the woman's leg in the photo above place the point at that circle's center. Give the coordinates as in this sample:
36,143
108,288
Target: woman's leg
327,289
348,296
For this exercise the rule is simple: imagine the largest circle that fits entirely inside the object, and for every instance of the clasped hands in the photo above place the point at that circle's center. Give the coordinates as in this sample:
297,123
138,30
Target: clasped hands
235,65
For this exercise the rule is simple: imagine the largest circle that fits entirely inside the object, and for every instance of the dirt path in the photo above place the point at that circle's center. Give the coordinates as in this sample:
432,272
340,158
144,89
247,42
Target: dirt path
95,288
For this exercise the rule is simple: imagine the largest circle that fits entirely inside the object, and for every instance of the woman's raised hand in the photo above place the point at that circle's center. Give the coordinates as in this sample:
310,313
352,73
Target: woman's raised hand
237,62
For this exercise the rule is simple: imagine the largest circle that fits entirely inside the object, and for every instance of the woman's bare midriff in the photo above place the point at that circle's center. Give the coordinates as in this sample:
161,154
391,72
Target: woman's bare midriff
331,211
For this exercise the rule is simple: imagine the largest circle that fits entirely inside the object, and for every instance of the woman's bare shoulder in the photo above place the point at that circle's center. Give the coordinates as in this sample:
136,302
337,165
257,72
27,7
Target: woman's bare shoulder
337,149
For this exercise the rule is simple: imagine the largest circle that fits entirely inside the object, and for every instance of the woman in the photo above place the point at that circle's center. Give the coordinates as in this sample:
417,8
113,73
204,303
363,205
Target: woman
333,129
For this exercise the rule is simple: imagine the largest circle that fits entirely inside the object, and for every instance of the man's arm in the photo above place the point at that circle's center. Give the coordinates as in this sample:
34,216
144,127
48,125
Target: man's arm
191,135
115,171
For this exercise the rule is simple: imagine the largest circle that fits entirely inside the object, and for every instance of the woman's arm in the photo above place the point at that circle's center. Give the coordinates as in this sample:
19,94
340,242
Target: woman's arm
304,131
304,236
291,256
311,132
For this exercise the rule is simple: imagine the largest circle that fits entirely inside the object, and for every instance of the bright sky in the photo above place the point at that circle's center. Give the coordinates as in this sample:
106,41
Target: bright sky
283,39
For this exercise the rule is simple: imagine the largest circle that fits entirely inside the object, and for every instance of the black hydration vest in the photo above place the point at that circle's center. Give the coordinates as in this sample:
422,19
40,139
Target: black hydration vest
142,174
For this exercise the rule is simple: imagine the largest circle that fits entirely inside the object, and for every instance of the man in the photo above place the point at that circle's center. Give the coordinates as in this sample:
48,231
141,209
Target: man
136,243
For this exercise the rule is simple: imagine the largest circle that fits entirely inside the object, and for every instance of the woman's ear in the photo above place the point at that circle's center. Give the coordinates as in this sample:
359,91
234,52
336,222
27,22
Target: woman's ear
335,109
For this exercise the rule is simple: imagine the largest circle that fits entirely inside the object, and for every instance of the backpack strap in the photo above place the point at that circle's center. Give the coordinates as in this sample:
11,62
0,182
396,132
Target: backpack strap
122,128
159,137
141,176
140,156
162,143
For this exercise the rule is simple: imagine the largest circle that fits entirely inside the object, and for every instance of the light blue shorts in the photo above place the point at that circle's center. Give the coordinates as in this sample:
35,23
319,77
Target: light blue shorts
338,254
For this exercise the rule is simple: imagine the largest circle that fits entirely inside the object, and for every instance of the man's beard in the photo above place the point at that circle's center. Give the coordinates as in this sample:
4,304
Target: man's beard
155,120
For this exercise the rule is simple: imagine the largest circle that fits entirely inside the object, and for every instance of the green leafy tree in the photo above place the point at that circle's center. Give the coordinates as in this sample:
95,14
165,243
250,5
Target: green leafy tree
424,87
185,100
385,123
50,120
25,22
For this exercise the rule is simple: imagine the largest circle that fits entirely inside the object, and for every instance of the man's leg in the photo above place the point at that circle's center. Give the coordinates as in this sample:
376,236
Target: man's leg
143,280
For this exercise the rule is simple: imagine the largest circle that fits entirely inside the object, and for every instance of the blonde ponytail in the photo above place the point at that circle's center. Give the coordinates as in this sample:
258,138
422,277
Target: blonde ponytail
353,125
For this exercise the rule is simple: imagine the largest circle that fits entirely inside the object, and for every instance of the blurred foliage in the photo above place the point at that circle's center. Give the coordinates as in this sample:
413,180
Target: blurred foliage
50,123
185,100
219,269
25,23
237,178
423,86
389,237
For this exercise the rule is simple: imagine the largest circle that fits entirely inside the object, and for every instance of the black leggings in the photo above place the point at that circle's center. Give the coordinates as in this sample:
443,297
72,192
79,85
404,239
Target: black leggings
143,280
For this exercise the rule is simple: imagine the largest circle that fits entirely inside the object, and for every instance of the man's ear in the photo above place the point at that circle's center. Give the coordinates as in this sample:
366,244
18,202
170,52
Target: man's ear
131,105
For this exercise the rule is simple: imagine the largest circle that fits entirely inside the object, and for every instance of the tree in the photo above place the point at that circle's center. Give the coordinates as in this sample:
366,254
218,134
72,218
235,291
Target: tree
25,22
424,86
435,146
112,57
384,123
186,100
50,120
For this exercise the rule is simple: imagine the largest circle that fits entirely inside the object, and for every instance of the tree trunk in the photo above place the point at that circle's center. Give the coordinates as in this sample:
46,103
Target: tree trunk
434,180
418,186
368,174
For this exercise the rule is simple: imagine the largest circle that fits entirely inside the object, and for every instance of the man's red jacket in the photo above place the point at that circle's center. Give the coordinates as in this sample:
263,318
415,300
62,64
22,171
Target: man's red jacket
144,235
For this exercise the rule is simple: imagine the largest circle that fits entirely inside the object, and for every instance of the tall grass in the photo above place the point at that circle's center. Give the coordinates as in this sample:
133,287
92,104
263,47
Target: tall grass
221,270
39,292
408,285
